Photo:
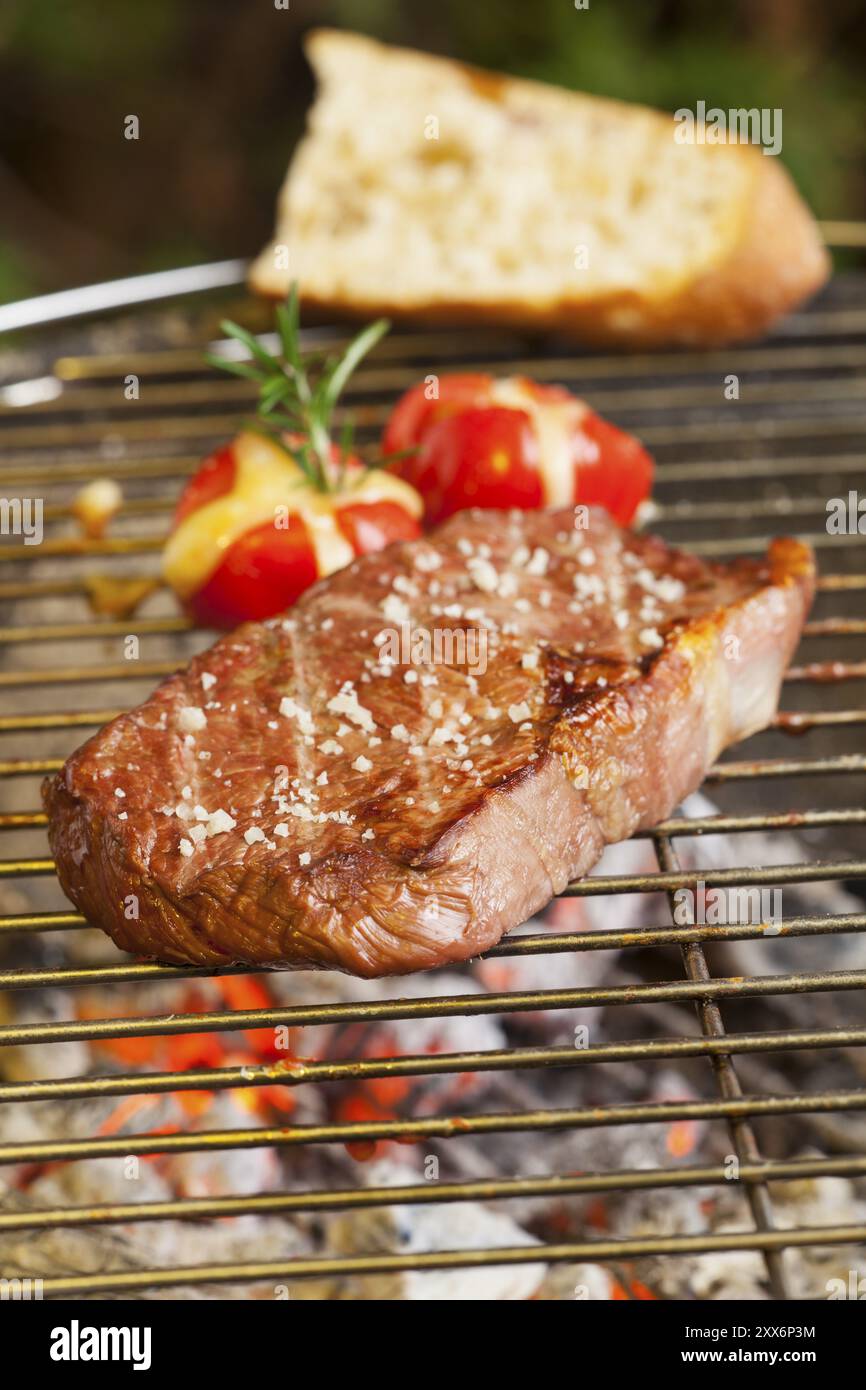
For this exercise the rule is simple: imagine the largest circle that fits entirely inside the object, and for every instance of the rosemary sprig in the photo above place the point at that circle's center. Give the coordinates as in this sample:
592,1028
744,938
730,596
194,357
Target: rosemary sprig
296,399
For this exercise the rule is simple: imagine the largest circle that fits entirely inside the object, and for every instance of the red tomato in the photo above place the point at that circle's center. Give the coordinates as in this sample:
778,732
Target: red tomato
483,457
489,443
370,526
260,574
266,567
415,411
620,477
213,479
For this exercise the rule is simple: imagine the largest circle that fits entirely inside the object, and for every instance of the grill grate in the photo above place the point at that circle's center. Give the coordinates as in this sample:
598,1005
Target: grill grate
772,457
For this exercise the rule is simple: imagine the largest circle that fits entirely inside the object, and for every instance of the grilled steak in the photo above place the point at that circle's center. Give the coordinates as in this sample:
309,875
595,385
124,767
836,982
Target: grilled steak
430,745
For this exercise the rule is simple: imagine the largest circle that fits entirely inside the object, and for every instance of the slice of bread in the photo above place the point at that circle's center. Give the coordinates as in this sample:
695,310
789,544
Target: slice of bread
435,191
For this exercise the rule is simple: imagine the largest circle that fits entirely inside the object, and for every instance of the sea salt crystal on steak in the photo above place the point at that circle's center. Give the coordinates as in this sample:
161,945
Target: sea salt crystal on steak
219,822
394,608
426,560
483,575
346,702
442,734
191,719
292,710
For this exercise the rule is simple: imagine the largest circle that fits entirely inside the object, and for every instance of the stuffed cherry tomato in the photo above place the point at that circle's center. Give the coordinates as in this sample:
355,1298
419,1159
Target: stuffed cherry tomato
253,529
485,442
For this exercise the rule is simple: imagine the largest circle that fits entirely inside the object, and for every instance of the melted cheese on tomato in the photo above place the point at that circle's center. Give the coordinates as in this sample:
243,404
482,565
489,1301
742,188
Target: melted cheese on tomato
268,483
554,424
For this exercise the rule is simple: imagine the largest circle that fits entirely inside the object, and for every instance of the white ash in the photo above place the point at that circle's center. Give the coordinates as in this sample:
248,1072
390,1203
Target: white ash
415,1229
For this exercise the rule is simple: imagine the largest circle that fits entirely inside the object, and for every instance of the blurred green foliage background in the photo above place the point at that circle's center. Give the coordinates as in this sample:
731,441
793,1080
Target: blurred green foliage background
221,87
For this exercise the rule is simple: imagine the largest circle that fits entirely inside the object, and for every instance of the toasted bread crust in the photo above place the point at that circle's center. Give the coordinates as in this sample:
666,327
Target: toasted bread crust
774,257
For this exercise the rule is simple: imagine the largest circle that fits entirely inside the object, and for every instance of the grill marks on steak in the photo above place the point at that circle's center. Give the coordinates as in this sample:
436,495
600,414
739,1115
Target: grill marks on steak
295,798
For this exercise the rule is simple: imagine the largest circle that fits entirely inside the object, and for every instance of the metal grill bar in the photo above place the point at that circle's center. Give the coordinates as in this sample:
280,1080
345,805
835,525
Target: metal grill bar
826,672
63,632
109,402
75,675
786,767
598,884
781,467
431,1127
440,1006
354,1199
424,347
593,1250
205,387
206,429
299,1072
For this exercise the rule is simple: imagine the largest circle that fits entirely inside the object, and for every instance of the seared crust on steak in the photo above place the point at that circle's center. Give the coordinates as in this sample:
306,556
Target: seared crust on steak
304,794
